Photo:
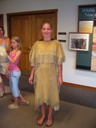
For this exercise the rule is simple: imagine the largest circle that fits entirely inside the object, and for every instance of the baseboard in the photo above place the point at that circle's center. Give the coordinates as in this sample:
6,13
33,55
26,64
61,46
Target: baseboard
78,94
79,86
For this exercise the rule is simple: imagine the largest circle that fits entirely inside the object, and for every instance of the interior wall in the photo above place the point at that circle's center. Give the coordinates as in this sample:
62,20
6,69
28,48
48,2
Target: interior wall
67,22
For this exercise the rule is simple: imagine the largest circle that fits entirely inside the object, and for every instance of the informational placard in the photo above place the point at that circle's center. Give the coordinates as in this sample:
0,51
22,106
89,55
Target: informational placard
87,24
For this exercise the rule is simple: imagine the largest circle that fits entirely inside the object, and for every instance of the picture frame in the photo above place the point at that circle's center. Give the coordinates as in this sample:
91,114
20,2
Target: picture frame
78,41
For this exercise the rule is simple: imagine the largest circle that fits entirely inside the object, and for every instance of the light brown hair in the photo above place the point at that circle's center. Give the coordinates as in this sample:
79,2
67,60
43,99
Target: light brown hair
19,44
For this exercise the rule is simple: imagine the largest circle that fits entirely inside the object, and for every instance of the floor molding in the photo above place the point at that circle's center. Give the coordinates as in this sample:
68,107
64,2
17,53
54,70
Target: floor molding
79,86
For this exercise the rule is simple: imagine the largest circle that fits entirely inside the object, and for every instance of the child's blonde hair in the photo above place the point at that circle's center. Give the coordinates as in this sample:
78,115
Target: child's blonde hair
17,39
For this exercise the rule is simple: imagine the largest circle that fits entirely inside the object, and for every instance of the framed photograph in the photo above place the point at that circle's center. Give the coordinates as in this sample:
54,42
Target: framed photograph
78,41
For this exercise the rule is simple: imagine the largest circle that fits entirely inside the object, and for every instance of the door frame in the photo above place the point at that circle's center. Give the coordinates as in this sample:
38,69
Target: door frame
9,15
1,20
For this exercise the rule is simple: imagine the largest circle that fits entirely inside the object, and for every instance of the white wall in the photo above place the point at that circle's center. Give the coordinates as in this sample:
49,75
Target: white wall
67,22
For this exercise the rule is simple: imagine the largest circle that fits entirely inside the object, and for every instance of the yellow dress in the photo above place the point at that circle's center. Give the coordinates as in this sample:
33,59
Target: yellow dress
46,56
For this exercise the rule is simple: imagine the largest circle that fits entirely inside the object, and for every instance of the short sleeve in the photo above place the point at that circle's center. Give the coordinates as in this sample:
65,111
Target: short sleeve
60,54
32,56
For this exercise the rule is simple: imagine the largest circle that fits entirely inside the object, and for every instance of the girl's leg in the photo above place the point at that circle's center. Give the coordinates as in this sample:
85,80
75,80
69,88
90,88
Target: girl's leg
14,80
10,84
43,114
50,116
2,74
15,104
23,100
16,100
2,89
2,84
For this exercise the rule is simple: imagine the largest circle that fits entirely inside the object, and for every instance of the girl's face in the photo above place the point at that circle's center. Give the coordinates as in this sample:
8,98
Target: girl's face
46,30
13,44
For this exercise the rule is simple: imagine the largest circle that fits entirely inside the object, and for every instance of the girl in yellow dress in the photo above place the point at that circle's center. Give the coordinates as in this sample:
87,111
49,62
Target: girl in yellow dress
46,57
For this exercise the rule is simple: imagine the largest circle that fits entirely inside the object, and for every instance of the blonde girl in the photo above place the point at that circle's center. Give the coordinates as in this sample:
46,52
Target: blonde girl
14,72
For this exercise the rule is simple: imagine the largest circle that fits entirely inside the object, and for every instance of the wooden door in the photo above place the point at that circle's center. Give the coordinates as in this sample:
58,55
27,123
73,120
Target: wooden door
27,27
26,42
1,20
39,18
20,26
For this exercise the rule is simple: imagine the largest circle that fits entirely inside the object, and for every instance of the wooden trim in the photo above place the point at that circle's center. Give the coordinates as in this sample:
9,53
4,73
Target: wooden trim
9,15
90,5
79,86
33,12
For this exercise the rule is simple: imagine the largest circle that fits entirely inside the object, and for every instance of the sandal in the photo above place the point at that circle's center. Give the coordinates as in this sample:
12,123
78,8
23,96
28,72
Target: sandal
26,103
13,106
2,94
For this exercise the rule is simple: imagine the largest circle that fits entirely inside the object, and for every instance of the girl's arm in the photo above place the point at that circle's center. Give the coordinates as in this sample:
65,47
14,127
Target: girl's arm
7,44
60,80
6,73
18,53
32,75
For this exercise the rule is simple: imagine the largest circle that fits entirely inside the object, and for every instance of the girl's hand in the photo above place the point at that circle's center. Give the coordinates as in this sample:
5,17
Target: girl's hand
30,79
60,81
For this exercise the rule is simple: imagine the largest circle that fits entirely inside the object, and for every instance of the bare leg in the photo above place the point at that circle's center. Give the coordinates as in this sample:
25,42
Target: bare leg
16,100
50,117
43,114
22,98
2,84
2,89
15,104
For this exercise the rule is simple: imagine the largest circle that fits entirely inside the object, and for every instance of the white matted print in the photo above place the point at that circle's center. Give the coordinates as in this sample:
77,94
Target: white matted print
78,41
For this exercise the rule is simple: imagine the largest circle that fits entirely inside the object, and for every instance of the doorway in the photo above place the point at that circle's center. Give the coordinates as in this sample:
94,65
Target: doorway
27,26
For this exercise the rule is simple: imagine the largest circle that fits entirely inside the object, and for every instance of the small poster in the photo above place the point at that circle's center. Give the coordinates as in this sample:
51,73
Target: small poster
86,26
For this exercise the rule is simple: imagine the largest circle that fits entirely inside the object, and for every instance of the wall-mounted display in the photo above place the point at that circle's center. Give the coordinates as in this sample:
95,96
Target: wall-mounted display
87,24
93,57
78,41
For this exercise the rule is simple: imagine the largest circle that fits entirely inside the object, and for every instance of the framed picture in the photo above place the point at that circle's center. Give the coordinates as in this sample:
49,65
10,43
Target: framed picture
78,41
